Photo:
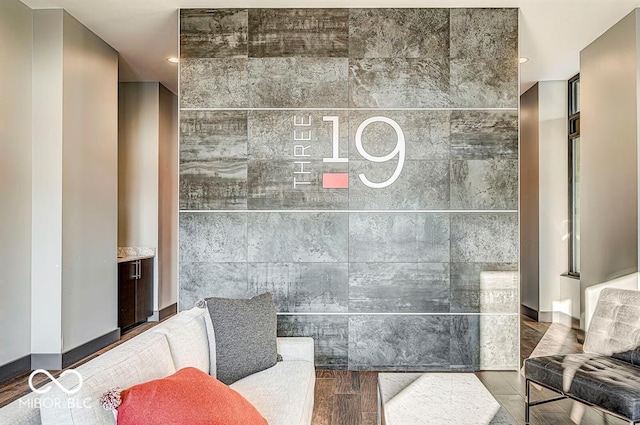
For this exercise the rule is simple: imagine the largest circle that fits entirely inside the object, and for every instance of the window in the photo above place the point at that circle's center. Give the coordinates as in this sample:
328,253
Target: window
574,176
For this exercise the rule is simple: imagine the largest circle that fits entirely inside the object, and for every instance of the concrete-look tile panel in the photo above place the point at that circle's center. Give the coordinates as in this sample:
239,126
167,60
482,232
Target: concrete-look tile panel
484,84
426,133
298,32
399,287
499,342
204,280
295,184
420,185
484,34
213,237
399,83
289,135
399,237
298,237
213,33
330,334
298,82
399,33
214,83
212,135
484,288
465,340
213,185
399,342
302,287
484,135
484,184
484,238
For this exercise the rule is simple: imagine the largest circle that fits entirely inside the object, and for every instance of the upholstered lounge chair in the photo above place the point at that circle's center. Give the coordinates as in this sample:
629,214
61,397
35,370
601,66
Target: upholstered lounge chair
607,375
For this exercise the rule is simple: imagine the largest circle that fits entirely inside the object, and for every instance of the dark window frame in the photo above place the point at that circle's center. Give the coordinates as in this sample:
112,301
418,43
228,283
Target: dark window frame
573,105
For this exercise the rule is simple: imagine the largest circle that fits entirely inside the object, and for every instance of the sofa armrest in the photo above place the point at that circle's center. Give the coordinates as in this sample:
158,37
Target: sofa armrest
296,348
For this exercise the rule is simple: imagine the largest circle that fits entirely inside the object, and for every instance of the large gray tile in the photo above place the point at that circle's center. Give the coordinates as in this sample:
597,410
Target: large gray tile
302,287
214,83
484,238
298,237
399,237
484,287
273,134
399,83
426,133
399,33
499,342
213,33
465,342
212,135
298,82
399,287
484,135
484,184
213,185
204,280
272,185
484,34
213,237
484,84
298,32
420,185
399,342
329,333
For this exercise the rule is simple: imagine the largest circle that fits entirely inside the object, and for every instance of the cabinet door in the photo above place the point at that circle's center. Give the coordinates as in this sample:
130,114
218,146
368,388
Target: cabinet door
126,294
144,290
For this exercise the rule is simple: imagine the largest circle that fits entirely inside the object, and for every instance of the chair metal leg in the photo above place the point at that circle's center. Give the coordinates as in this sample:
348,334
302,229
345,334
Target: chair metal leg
526,402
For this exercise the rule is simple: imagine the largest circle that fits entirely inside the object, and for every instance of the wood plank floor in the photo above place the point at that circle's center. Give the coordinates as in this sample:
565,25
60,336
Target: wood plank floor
350,398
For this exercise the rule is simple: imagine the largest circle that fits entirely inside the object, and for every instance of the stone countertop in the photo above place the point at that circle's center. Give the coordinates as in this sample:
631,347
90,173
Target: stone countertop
128,253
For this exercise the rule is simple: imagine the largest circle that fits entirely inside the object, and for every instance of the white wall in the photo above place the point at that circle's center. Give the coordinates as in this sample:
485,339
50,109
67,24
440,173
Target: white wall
168,200
553,192
46,255
609,161
74,221
90,191
16,26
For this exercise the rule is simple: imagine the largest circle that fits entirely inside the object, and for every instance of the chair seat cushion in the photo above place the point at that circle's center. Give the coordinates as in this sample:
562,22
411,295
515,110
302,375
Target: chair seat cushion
603,381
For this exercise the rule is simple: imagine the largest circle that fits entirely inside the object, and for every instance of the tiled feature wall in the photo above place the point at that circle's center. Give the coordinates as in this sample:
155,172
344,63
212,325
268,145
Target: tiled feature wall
419,275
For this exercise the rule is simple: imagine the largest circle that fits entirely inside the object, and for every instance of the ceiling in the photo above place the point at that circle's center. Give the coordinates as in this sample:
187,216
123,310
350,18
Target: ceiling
145,32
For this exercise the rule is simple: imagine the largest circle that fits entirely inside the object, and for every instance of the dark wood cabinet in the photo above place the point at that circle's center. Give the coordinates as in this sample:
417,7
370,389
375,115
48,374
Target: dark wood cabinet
135,292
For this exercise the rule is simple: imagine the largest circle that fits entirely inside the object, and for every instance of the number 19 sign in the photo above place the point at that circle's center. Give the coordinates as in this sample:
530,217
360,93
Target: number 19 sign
341,180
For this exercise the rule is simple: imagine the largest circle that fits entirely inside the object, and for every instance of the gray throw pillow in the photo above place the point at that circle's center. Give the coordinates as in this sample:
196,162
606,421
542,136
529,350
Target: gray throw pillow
245,335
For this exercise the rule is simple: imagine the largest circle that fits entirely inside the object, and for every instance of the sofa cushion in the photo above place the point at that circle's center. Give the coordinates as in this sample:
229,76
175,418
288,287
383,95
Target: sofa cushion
615,326
245,335
187,337
283,394
187,397
140,359
600,380
23,411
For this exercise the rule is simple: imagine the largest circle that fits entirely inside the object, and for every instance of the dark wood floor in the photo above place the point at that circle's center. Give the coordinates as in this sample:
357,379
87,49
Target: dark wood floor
350,398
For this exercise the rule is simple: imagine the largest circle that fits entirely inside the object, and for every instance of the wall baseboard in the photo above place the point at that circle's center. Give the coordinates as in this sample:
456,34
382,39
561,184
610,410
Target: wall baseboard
89,348
15,368
529,312
46,361
168,311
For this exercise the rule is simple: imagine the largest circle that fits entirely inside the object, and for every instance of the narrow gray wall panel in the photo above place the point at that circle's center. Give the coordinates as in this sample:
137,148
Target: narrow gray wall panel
361,165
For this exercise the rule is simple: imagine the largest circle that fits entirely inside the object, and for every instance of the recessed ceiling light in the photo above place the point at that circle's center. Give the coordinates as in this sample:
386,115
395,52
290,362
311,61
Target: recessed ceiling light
523,60
173,59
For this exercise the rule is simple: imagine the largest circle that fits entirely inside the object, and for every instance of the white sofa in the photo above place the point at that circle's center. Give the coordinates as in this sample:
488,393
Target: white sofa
283,394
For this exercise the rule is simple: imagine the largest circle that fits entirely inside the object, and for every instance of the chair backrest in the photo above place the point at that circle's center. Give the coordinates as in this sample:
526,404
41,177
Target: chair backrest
615,326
